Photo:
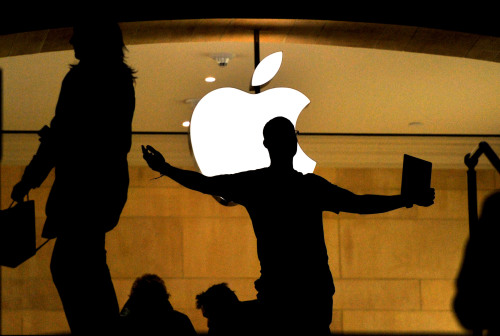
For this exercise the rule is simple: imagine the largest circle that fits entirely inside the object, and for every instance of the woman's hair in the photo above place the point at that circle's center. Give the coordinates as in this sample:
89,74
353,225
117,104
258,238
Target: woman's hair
99,40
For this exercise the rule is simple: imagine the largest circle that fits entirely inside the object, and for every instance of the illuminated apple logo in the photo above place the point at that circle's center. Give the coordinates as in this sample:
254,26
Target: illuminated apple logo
227,123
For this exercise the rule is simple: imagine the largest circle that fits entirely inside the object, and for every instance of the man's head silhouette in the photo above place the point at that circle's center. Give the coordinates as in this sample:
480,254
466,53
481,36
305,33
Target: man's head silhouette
280,140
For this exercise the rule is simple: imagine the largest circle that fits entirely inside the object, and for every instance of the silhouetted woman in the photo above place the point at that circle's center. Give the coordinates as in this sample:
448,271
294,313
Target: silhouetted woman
87,144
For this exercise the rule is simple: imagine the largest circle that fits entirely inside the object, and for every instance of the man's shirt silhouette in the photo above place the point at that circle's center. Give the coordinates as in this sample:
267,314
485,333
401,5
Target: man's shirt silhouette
286,211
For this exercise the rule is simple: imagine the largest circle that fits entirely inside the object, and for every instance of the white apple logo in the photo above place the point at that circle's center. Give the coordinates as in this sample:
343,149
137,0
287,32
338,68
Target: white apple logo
227,123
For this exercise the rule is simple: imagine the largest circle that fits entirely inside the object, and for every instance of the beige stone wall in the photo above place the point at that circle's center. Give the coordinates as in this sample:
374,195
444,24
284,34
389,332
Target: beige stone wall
394,272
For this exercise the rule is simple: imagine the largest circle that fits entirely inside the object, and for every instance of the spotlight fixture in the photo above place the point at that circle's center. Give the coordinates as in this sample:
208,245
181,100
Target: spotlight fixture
223,58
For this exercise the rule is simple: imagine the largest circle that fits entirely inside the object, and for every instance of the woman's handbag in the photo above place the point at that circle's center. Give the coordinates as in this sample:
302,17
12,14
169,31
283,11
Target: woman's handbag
18,233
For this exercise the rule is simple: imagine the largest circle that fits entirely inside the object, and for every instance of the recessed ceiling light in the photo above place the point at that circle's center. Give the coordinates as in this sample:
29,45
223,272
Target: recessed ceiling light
186,123
210,79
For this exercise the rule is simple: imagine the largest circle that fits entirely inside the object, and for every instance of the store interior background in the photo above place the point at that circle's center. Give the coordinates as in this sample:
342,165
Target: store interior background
377,91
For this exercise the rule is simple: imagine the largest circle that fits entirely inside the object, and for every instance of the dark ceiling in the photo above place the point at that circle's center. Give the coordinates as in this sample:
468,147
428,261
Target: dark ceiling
469,17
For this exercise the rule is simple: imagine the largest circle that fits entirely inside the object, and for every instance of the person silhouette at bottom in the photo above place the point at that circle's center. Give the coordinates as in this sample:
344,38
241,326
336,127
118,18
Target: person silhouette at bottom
295,289
148,311
221,307
477,297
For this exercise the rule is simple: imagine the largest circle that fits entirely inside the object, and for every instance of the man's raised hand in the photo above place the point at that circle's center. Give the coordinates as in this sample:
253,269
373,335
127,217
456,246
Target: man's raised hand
154,159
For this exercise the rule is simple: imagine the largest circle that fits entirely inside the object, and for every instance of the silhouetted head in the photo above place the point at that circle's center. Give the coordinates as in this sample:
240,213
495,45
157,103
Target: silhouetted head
488,226
216,301
490,213
97,39
149,290
280,139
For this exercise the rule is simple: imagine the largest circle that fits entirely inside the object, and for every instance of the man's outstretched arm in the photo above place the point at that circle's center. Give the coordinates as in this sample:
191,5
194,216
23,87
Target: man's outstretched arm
373,204
187,178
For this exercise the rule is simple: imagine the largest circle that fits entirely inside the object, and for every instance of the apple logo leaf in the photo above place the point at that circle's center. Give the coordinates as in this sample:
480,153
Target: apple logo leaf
267,69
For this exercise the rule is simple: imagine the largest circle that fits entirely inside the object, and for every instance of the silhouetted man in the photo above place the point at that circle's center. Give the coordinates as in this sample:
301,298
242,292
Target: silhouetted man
95,107
295,288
